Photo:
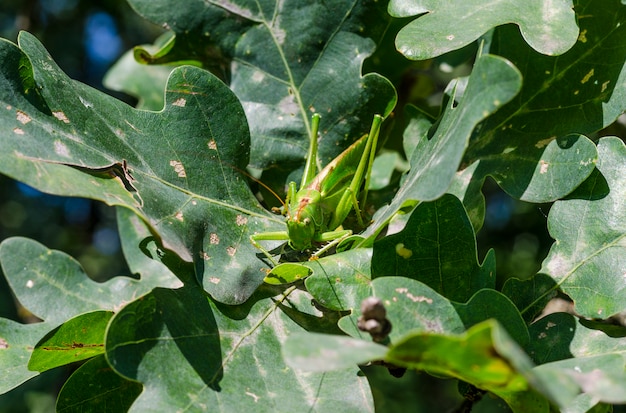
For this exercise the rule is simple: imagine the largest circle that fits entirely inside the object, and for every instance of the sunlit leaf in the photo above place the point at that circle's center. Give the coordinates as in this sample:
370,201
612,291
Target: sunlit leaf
532,146
75,340
189,188
588,260
549,27
16,345
435,160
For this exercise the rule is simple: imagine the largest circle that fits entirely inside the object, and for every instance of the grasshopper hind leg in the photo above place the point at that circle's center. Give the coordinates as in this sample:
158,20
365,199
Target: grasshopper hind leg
333,238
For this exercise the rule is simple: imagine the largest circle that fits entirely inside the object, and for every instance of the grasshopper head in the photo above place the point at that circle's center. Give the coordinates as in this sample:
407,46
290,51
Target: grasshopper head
304,219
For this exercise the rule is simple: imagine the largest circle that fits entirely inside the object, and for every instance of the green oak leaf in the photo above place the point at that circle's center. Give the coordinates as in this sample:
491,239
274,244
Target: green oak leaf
325,352
484,356
286,273
16,345
42,278
490,304
110,390
466,186
583,360
411,306
559,336
383,168
188,351
341,281
53,286
77,339
530,296
437,246
285,61
65,138
533,145
146,83
145,256
450,25
588,259
601,377
435,160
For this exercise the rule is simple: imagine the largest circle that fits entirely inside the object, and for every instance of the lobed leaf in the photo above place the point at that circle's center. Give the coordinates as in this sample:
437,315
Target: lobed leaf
583,359
65,138
145,257
226,358
110,390
52,285
325,352
42,278
146,83
587,261
548,27
285,61
412,307
339,282
437,246
435,160
484,356
490,304
530,296
533,145
16,345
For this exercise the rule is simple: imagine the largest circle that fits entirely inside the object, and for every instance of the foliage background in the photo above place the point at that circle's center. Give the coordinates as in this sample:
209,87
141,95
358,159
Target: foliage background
85,38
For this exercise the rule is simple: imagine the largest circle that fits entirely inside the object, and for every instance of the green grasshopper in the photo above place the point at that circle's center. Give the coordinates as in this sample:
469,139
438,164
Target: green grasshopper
315,213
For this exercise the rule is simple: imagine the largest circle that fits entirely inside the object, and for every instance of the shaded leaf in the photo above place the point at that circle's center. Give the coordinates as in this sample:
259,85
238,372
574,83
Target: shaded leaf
145,256
543,172
588,259
530,296
490,304
437,247
284,61
560,336
54,287
446,26
146,83
466,186
106,390
532,147
583,359
383,168
222,356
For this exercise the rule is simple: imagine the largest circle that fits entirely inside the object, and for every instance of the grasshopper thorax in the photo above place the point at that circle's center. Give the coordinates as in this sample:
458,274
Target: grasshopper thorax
304,218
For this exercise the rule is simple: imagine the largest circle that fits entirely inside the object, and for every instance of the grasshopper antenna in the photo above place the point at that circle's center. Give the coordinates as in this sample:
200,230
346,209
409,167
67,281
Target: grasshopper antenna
258,181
